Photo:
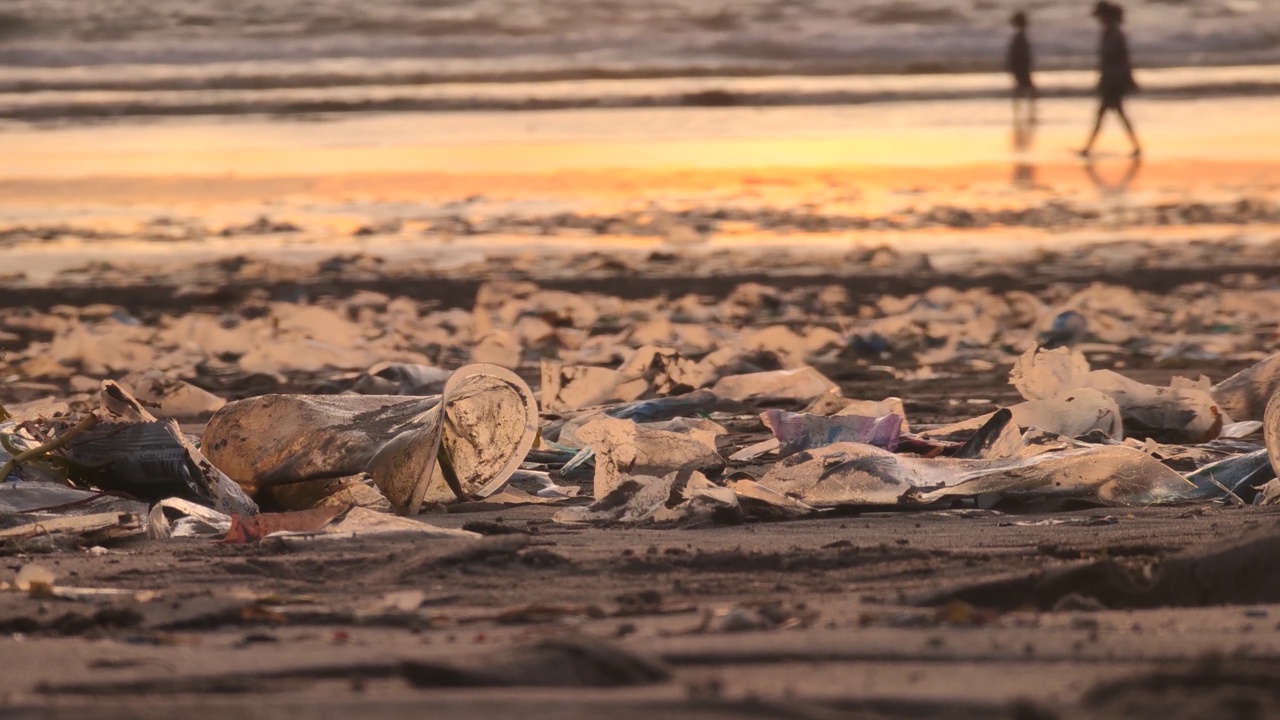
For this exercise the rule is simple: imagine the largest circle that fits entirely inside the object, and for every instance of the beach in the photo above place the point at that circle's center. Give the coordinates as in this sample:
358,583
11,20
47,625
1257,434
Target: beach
246,200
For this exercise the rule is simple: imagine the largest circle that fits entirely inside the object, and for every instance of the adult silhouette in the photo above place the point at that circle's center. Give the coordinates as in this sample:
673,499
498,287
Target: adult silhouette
1018,63
1115,73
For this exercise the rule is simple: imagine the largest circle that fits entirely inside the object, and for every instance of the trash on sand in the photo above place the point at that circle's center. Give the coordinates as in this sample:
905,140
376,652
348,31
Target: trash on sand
93,529
46,499
649,413
253,528
1071,414
41,582
624,448
1270,493
1182,412
170,396
684,496
800,431
178,518
850,474
64,516
1244,396
803,385
760,501
354,491
999,437
465,442
34,579
131,451
1239,475
745,618
649,372
1243,429
392,378
755,450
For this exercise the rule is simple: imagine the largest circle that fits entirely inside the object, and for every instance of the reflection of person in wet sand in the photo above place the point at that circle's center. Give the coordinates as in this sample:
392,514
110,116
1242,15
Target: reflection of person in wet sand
1018,63
1024,135
1119,187
1116,79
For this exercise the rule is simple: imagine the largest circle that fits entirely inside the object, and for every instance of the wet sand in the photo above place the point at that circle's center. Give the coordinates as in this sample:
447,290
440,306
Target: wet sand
451,188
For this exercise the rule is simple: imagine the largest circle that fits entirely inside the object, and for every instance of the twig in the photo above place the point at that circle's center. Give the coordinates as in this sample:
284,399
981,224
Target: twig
55,444
1230,493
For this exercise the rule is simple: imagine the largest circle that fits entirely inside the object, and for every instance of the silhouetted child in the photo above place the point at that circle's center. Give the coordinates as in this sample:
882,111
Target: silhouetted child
1116,74
1018,63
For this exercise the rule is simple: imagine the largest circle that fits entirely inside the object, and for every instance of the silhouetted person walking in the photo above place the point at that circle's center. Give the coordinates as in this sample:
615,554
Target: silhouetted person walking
1116,74
1018,63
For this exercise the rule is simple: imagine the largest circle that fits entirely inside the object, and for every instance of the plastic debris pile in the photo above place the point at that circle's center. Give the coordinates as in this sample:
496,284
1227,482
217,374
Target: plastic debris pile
662,411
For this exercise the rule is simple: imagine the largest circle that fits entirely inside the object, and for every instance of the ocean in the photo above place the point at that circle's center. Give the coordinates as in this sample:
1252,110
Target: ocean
67,60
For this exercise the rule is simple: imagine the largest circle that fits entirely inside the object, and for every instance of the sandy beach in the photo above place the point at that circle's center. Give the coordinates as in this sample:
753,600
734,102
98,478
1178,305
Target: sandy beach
212,203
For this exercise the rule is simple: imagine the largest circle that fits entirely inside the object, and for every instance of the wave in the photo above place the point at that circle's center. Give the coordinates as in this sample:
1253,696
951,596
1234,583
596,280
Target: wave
78,104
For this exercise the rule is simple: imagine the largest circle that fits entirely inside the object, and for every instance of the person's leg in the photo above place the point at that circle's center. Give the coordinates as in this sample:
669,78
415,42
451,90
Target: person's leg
1128,128
1019,102
1097,126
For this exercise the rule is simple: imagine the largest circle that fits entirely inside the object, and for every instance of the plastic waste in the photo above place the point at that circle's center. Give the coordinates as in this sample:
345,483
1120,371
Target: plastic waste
649,372
355,491
633,499
178,518
46,499
1244,396
93,528
851,474
684,496
799,431
465,442
642,411
803,384
391,378
1069,328
169,396
1073,413
1000,437
622,448
1271,436
16,440
1240,475
1182,412
130,450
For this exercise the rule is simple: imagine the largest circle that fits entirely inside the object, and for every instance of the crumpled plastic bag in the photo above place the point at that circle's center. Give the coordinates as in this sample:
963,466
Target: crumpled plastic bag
649,372
801,431
623,448
1072,413
1182,412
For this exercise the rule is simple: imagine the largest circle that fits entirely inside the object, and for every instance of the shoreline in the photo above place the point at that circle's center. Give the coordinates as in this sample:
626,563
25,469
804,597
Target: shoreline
91,100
